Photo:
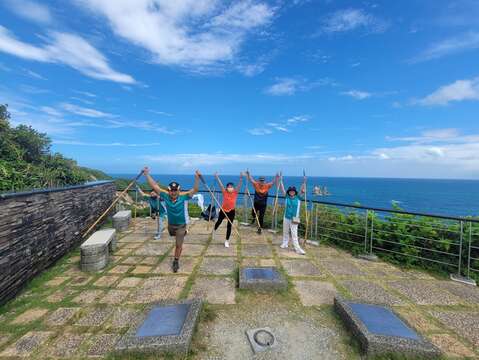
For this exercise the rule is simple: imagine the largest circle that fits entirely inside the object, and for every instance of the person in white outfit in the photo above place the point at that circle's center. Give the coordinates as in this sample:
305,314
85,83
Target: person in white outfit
291,218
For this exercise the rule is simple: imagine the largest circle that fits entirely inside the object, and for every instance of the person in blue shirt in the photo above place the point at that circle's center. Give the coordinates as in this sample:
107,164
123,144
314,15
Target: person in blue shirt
176,203
291,220
157,208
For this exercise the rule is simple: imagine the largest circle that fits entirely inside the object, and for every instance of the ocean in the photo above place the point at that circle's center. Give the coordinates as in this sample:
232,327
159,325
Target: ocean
440,197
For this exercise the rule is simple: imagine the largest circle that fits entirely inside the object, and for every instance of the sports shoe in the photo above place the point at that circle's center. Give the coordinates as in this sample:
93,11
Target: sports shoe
300,251
176,265
227,244
259,230
283,246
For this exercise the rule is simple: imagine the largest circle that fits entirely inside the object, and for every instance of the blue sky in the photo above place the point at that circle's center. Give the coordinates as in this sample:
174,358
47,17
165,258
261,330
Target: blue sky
340,88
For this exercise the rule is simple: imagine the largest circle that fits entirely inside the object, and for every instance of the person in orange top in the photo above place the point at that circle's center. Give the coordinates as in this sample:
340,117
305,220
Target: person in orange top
261,197
230,194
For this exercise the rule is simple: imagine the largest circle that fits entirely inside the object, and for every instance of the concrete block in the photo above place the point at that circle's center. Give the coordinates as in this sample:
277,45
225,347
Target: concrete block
121,220
262,279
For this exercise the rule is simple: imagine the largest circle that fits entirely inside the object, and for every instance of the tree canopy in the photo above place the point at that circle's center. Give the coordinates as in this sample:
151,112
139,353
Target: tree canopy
26,160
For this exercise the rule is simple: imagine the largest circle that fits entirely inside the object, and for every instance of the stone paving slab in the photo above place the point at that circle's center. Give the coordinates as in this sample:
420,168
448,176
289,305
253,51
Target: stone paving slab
115,297
66,345
312,292
300,267
157,289
187,265
94,317
60,295
214,290
88,296
142,269
150,260
466,292
220,250
424,292
29,316
120,269
132,260
152,249
27,344
123,317
129,282
342,267
451,347
370,292
102,344
463,323
217,266
250,250
190,250
197,239
80,280
106,281
61,316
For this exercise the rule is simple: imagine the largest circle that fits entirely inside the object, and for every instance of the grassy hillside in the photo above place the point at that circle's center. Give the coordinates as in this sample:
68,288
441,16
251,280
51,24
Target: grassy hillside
26,161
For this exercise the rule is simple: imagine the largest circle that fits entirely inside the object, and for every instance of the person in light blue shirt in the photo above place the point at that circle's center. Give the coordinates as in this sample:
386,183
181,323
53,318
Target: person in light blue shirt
176,203
291,220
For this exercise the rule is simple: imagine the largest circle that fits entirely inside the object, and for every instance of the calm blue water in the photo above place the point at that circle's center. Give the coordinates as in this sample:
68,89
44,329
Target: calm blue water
443,197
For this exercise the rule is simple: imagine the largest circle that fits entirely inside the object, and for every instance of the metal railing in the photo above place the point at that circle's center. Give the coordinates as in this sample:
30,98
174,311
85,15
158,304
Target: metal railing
427,240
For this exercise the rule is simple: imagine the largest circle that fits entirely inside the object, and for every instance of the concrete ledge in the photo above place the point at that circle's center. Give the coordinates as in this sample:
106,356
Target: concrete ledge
133,342
262,279
374,343
121,220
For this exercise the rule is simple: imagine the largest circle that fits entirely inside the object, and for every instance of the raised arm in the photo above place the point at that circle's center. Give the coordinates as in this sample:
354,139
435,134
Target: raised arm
281,186
240,183
140,191
196,185
152,182
303,186
250,179
219,182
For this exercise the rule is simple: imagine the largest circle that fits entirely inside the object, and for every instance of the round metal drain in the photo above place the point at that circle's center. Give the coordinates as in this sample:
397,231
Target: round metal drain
263,338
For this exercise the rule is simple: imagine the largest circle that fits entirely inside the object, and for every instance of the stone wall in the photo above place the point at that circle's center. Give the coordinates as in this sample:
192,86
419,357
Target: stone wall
37,228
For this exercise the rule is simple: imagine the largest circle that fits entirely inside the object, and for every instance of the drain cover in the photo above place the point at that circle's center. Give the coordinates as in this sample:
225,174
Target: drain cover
261,339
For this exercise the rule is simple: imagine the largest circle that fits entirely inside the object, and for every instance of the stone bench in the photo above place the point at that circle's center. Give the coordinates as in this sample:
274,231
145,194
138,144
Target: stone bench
121,220
95,251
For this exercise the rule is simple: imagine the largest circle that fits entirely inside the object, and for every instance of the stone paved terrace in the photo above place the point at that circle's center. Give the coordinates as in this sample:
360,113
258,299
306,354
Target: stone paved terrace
65,313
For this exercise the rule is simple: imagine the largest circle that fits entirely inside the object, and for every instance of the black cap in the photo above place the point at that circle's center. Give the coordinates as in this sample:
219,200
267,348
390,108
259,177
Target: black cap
173,186
292,188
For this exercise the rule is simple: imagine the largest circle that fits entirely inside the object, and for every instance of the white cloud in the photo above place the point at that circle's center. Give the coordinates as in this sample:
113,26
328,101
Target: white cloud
289,86
207,159
458,44
460,90
85,93
30,10
33,74
352,19
163,113
51,111
192,34
260,131
114,144
283,126
357,94
67,49
82,111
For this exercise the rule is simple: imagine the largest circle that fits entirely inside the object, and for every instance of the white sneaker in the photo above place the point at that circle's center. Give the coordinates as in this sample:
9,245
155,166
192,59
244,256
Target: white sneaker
158,237
283,246
227,244
300,251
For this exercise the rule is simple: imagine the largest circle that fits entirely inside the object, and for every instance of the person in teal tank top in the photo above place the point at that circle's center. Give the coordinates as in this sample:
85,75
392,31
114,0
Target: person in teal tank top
291,220
176,203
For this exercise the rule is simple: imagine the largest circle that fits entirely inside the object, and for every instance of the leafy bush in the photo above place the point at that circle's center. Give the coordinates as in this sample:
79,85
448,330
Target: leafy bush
26,161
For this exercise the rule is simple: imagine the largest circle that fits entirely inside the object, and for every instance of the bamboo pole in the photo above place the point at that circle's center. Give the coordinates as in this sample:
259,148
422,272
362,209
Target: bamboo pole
275,205
217,203
305,209
252,202
112,204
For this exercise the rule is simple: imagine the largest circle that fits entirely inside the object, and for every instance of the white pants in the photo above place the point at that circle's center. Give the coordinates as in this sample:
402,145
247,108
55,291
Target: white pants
290,227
